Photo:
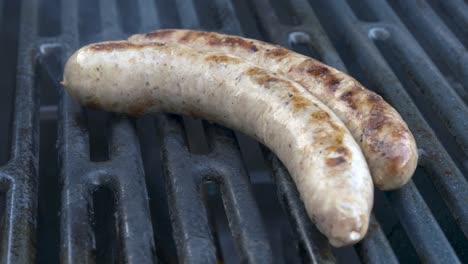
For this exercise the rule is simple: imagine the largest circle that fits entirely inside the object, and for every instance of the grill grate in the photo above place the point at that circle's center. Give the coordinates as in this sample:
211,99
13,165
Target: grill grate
116,205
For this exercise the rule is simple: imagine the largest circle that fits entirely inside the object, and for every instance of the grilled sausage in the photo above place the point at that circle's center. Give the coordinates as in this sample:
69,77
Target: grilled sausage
384,137
323,158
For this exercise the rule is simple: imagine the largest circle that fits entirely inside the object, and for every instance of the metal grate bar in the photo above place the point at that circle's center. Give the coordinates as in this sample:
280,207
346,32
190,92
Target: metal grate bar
188,214
268,14
24,143
134,216
110,20
424,232
148,14
453,188
18,178
375,247
69,30
2,4
189,19
226,10
76,236
432,33
455,13
241,209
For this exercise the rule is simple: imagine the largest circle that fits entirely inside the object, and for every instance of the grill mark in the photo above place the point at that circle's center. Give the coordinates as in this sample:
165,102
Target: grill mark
121,45
264,78
377,119
191,35
333,84
322,116
336,137
236,42
318,71
342,150
254,71
348,97
159,34
344,154
277,52
268,81
214,39
333,162
373,126
319,115
331,133
299,102
393,147
379,116
220,58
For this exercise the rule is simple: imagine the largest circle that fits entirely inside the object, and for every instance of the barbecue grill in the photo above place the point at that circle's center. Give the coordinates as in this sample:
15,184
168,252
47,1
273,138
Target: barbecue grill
83,186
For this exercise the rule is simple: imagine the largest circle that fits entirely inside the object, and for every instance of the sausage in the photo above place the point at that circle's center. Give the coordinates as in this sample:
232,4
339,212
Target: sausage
384,137
321,155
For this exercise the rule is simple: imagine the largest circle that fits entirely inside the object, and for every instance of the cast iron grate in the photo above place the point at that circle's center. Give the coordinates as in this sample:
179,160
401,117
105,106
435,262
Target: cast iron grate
95,203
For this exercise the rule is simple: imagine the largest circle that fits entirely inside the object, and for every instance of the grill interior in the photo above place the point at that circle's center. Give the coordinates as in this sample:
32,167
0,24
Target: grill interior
83,186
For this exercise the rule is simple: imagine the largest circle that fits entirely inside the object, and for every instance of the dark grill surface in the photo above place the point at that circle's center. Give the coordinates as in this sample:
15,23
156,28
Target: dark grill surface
104,188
